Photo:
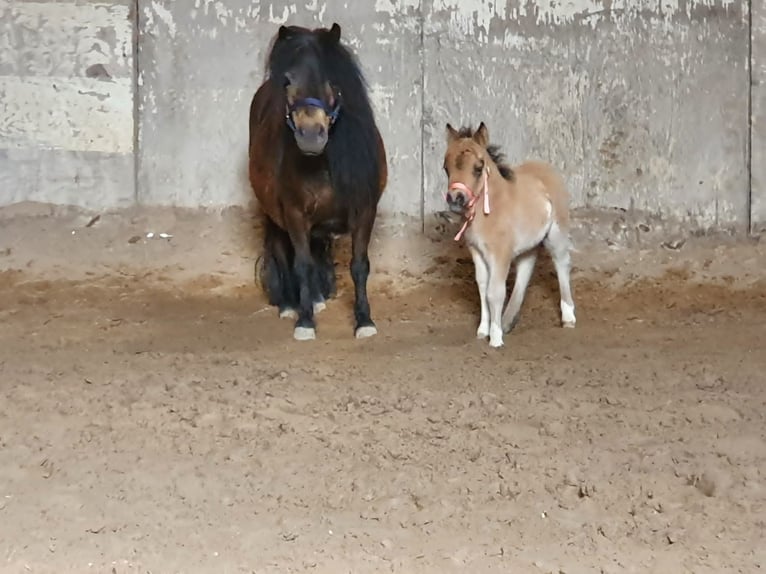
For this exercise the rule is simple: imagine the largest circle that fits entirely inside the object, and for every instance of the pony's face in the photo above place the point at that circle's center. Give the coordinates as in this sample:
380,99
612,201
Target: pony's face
312,104
465,161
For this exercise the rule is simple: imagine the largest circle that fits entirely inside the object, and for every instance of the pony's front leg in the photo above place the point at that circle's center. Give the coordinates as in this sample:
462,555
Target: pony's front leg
303,268
360,271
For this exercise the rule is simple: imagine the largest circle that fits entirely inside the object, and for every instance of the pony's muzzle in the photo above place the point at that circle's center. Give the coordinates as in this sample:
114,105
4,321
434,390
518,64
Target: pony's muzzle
311,141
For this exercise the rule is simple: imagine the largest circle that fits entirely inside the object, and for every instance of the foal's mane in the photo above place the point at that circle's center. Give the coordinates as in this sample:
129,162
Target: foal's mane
352,149
494,152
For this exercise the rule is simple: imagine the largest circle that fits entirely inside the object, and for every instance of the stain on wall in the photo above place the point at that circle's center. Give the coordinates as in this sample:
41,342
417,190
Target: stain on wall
66,83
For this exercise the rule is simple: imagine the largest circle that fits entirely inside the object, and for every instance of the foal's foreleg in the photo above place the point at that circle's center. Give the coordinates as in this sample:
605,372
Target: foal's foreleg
360,271
558,245
525,264
498,274
482,282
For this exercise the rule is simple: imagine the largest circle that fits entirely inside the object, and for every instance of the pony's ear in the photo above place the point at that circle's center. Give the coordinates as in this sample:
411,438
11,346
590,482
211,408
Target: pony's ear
335,32
284,33
481,135
452,133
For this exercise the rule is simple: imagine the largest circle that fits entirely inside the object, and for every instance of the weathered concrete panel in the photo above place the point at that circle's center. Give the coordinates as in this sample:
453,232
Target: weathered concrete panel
640,103
201,65
66,83
758,135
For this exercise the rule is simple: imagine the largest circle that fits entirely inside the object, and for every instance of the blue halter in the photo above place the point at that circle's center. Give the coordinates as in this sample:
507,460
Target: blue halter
332,113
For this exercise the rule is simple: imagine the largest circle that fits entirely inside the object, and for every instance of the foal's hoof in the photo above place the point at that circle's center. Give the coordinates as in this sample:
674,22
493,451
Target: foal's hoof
319,306
568,324
366,331
288,313
304,334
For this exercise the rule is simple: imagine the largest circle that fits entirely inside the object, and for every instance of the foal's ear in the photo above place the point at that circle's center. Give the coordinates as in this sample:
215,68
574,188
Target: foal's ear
481,136
452,133
284,33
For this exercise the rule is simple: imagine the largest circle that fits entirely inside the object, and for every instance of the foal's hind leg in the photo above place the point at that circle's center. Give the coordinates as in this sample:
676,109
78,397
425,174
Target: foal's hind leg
360,271
558,245
525,264
482,282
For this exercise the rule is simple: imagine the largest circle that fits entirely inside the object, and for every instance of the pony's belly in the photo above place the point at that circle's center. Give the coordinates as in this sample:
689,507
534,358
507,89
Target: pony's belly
334,226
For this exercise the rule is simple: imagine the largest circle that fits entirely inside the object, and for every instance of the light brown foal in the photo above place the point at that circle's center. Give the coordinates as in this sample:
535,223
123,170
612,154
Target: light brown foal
522,208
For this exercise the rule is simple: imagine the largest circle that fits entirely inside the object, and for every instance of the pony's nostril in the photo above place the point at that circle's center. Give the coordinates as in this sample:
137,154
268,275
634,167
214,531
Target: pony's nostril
460,200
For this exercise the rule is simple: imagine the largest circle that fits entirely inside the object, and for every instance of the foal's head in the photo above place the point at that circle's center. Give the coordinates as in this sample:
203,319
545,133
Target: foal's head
468,158
297,65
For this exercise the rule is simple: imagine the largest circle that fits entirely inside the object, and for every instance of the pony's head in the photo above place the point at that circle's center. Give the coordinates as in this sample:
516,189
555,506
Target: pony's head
467,161
312,102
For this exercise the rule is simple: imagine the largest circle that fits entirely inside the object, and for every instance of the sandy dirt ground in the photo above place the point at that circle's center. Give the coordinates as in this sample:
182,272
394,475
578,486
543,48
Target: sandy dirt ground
156,416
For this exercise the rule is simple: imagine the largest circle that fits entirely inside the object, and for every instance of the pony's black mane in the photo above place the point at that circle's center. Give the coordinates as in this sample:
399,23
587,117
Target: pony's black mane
352,149
494,152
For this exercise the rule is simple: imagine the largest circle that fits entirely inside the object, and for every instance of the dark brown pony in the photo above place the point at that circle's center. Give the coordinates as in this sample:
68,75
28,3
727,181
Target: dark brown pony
318,168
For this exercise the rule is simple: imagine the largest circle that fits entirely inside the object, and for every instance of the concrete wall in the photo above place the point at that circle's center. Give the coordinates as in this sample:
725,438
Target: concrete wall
642,103
200,68
66,87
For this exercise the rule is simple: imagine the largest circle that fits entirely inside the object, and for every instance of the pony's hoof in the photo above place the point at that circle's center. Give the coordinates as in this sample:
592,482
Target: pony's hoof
496,344
319,306
288,313
304,334
367,331
482,334
568,324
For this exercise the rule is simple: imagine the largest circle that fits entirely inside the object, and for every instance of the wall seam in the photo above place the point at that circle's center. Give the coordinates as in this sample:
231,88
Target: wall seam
749,144
422,119
136,101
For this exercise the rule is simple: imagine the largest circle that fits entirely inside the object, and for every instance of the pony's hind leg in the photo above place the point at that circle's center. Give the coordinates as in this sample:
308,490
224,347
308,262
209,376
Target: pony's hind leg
525,264
482,281
360,272
322,252
558,245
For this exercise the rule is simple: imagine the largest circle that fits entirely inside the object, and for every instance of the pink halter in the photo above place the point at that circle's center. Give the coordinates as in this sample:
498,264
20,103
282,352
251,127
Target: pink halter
470,211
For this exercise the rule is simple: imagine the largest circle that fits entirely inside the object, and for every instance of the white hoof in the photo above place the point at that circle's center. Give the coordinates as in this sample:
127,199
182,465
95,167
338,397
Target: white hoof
495,336
319,306
364,332
288,314
567,315
304,334
481,333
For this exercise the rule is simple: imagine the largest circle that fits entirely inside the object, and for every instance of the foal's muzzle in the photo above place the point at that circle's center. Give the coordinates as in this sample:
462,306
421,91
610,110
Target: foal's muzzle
457,201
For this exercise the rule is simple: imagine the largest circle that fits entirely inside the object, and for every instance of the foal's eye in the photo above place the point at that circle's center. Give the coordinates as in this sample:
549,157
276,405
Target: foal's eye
477,169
